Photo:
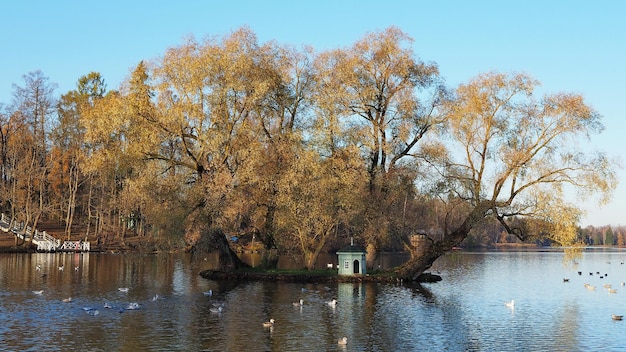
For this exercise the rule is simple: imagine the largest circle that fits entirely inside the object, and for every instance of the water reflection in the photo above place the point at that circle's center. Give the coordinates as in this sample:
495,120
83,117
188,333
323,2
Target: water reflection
464,312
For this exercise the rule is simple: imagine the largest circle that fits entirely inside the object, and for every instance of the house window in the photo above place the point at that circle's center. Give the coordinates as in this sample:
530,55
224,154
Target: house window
346,264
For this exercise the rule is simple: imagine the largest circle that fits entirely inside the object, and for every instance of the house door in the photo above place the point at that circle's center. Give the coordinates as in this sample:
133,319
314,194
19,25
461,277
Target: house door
356,268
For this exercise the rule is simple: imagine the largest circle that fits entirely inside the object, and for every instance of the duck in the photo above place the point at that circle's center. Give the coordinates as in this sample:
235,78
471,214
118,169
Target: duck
332,302
300,303
510,304
612,290
342,341
617,317
269,324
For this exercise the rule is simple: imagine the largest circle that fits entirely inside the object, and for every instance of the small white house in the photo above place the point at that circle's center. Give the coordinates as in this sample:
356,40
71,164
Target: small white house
351,260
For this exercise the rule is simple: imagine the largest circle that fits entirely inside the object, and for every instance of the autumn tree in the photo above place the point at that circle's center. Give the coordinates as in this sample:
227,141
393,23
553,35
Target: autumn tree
511,156
68,146
385,99
33,103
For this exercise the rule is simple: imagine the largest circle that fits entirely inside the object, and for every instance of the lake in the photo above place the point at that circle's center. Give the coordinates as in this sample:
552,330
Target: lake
464,312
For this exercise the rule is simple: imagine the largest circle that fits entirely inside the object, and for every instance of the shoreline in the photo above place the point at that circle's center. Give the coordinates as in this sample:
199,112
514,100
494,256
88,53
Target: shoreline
312,277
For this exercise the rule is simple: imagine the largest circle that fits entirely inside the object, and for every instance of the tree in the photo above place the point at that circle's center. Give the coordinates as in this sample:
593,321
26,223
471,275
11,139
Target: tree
388,100
68,144
33,103
510,157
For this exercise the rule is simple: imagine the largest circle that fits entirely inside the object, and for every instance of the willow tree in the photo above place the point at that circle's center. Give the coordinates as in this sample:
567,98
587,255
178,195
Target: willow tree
385,100
280,132
513,157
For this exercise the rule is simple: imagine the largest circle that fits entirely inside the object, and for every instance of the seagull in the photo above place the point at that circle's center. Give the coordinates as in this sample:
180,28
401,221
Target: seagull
208,293
132,306
61,268
76,268
300,303
332,303
269,324
216,310
155,298
38,267
343,341
39,293
67,300
123,289
106,305
617,317
510,304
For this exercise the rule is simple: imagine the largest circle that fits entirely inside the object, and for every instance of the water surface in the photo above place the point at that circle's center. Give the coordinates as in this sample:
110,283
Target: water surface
464,312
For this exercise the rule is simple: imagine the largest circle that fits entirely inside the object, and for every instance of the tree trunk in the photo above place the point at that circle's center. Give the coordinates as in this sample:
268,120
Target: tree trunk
214,240
422,259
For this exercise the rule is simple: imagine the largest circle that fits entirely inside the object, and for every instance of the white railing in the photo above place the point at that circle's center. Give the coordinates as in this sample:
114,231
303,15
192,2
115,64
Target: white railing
43,240
75,246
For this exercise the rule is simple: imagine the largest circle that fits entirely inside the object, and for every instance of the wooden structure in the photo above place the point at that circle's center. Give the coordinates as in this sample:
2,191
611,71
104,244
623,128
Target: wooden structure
351,260
43,241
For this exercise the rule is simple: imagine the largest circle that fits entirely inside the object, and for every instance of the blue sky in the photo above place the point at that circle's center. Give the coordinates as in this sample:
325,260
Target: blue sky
575,46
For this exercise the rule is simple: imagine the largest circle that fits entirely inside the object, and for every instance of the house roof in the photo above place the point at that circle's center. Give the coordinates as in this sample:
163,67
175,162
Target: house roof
352,249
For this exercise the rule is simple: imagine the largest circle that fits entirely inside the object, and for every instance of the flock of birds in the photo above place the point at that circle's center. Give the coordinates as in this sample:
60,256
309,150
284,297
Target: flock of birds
607,286
91,310
216,308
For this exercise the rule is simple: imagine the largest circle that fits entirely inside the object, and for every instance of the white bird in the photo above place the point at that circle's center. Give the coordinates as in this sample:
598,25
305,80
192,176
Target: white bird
61,268
332,303
93,312
38,267
269,323
132,306
300,303
155,298
122,289
216,310
343,341
208,293
76,268
67,300
39,293
510,304
106,305
617,317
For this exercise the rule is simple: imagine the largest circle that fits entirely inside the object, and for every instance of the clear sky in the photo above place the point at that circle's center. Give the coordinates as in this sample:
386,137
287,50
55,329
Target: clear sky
574,46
